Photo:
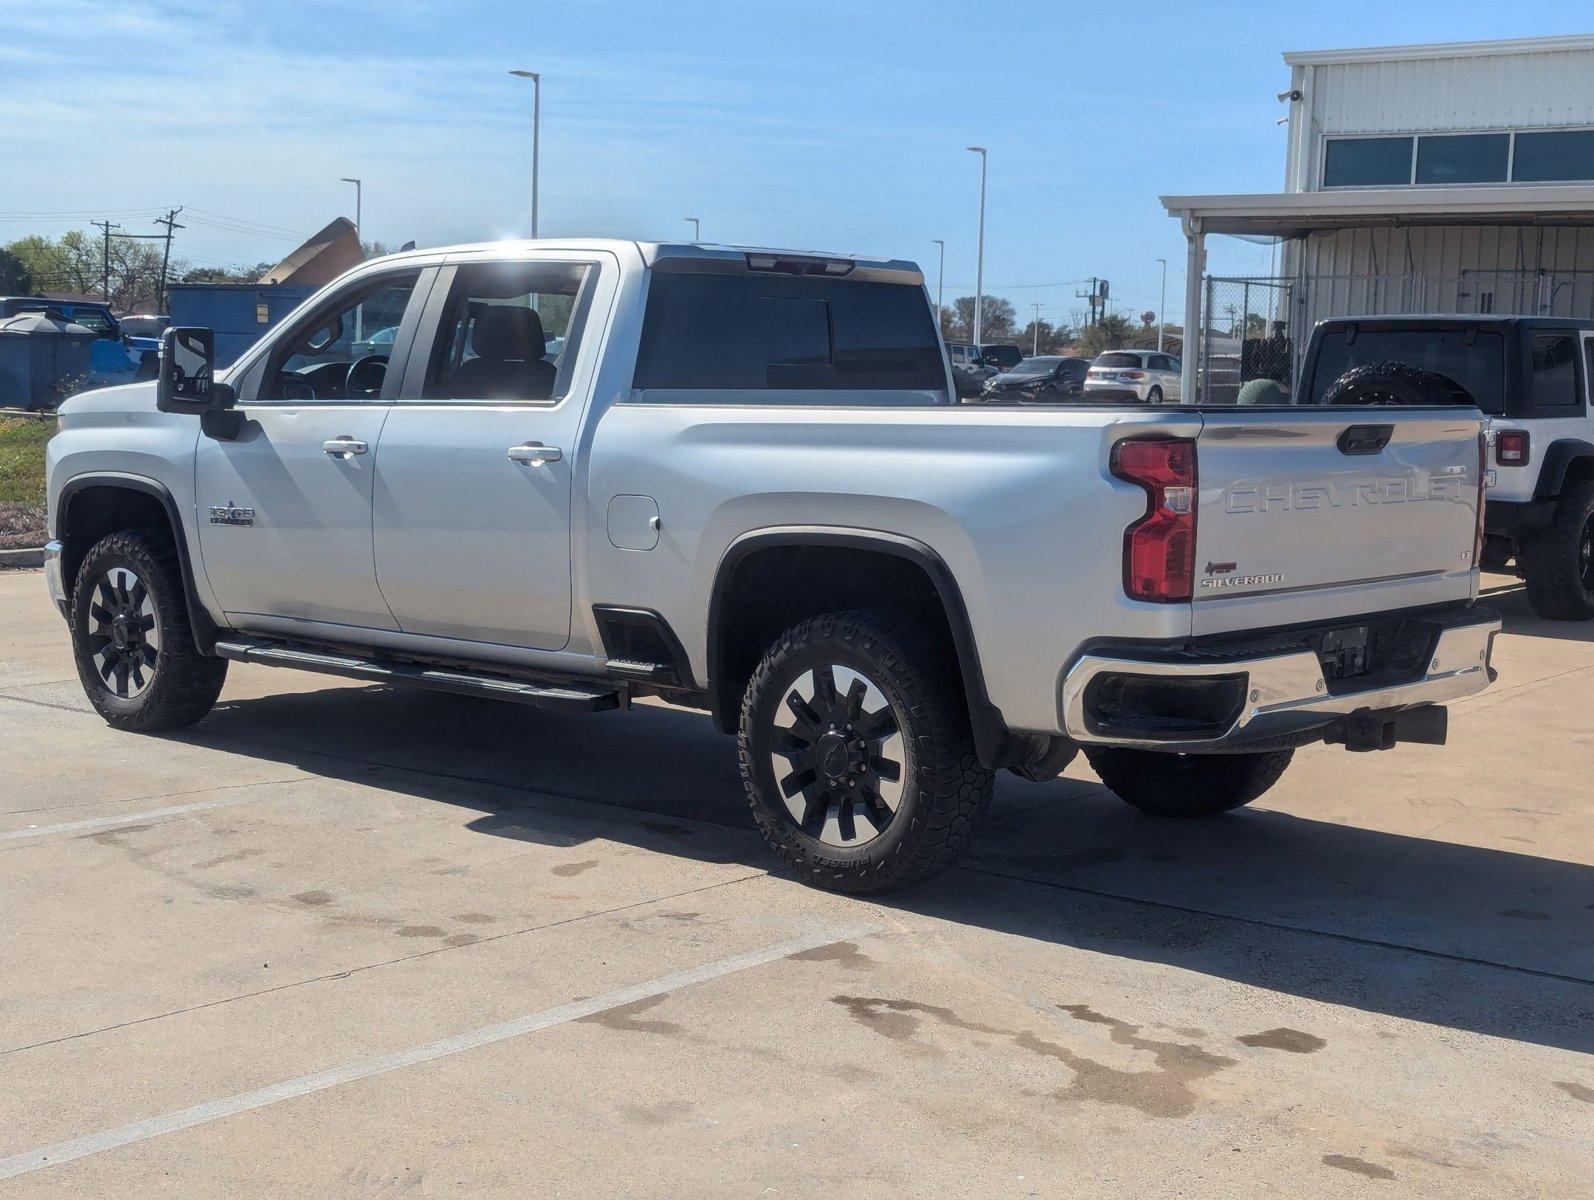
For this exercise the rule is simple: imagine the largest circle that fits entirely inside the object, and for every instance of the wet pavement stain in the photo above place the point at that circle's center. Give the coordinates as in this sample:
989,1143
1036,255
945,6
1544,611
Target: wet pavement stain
230,892
475,918
420,931
846,954
1292,1040
1576,1090
625,1018
235,856
662,1113
315,898
112,837
461,939
1358,1166
565,870
1164,1091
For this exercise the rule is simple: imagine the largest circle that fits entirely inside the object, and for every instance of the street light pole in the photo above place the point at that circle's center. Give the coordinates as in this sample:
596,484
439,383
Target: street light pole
940,282
979,260
1162,305
697,229
536,136
1035,345
359,189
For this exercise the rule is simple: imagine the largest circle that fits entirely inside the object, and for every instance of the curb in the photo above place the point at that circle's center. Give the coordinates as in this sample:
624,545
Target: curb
22,558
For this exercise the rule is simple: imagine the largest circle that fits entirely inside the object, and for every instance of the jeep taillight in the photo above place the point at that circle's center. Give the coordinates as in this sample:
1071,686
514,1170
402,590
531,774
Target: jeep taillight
1511,447
1159,548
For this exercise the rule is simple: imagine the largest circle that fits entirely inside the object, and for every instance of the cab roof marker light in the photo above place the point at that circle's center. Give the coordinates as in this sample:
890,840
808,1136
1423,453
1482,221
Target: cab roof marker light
799,264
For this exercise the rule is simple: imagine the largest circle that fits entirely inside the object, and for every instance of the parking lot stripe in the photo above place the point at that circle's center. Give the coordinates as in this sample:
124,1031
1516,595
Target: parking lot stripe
30,1161
174,810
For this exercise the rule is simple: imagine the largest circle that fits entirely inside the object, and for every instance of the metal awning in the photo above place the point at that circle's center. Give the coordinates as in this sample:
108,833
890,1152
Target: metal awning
1296,214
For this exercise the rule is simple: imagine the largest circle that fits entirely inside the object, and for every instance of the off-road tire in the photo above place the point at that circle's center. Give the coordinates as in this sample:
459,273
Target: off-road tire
182,684
1186,785
1392,382
1558,561
944,790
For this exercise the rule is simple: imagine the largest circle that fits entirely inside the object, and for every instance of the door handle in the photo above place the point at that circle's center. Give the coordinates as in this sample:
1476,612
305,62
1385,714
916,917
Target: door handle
342,447
535,453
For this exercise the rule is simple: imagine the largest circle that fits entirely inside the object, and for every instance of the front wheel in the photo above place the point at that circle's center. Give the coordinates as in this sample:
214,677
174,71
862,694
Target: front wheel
1186,785
1558,563
131,637
857,754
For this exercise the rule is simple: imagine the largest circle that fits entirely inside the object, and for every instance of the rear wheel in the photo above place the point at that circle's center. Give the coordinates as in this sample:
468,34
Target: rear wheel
1154,396
857,755
1186,785
1558,562
131,638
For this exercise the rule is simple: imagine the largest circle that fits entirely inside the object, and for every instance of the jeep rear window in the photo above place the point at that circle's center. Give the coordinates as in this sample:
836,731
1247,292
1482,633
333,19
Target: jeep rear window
1477,364
764,333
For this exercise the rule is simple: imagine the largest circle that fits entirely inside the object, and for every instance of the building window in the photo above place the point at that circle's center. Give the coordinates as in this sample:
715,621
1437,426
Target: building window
1554,157
1367,162
1464,158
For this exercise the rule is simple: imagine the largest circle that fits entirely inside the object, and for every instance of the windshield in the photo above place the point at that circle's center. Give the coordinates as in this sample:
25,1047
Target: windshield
1474,358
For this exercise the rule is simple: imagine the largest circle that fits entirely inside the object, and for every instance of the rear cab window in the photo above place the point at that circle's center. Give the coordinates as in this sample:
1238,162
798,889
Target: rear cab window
1472,357
751,337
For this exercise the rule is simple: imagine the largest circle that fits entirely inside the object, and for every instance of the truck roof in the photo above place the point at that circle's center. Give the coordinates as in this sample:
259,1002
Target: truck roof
654,254
1460,319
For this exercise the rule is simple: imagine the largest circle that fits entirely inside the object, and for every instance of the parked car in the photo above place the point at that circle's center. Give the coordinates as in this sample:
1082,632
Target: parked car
1143,375
1534,379
92,315
744,487
1047,379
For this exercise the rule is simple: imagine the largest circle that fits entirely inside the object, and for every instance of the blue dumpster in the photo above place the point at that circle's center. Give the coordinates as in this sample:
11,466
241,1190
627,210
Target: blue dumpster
239,312
43,359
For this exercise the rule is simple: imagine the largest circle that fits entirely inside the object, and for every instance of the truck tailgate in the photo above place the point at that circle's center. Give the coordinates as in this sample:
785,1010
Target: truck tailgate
1315,513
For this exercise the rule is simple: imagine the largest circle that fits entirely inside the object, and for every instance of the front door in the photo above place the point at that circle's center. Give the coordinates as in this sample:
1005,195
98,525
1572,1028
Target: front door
284,510
471,518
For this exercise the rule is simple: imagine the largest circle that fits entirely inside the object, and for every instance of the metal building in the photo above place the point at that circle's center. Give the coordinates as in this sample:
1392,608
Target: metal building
1435,178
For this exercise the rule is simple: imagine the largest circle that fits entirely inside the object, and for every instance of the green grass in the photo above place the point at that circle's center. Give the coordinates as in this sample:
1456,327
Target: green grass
22,458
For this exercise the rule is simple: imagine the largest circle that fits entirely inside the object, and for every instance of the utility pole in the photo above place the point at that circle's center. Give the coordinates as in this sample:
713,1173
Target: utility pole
940,282
979,260
359,198
105,228
170,221
536,136
1162,304
1035,343
1090,296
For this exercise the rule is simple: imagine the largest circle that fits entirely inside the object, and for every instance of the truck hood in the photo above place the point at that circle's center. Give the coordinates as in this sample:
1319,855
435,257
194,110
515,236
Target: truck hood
125,397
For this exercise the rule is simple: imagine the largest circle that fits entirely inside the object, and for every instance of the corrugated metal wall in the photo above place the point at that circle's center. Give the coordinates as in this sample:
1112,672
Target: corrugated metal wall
1491,91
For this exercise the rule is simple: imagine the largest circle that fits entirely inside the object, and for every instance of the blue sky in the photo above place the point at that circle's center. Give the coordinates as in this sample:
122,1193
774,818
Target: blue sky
827,124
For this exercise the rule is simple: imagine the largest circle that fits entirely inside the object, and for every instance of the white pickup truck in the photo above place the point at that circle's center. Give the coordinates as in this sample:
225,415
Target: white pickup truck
576,473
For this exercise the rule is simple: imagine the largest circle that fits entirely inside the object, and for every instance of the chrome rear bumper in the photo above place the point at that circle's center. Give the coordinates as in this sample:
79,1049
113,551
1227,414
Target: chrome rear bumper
1282,694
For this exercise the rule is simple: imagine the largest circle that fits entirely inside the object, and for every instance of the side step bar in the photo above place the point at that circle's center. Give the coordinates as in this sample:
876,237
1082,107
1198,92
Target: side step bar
565,696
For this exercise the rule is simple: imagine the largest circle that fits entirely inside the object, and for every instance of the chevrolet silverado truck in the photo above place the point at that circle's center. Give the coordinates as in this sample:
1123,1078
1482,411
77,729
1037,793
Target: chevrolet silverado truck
588,472
1531,377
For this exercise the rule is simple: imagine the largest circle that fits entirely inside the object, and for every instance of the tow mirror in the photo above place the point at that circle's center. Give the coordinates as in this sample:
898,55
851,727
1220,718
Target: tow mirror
186,382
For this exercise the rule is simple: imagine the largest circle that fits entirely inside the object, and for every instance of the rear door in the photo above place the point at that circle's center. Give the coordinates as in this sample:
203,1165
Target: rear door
1310,514
471,519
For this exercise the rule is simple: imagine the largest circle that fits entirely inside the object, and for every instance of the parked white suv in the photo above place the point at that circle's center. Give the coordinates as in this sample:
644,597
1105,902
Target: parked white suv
1145,375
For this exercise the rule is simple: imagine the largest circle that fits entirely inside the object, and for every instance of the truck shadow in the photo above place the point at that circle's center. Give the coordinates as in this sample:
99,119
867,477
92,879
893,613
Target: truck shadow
1486,940
1510,600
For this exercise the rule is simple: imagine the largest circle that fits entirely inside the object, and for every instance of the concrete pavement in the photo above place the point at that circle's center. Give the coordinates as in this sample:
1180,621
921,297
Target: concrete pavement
340,940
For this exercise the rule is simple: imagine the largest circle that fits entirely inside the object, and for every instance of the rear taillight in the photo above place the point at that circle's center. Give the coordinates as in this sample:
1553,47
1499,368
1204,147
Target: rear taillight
1511,447
1159,548
1131,374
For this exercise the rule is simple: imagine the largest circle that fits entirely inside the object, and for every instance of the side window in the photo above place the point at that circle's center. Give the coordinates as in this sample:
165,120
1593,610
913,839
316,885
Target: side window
1588,366
509,332
1553,368
341,351
770,333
